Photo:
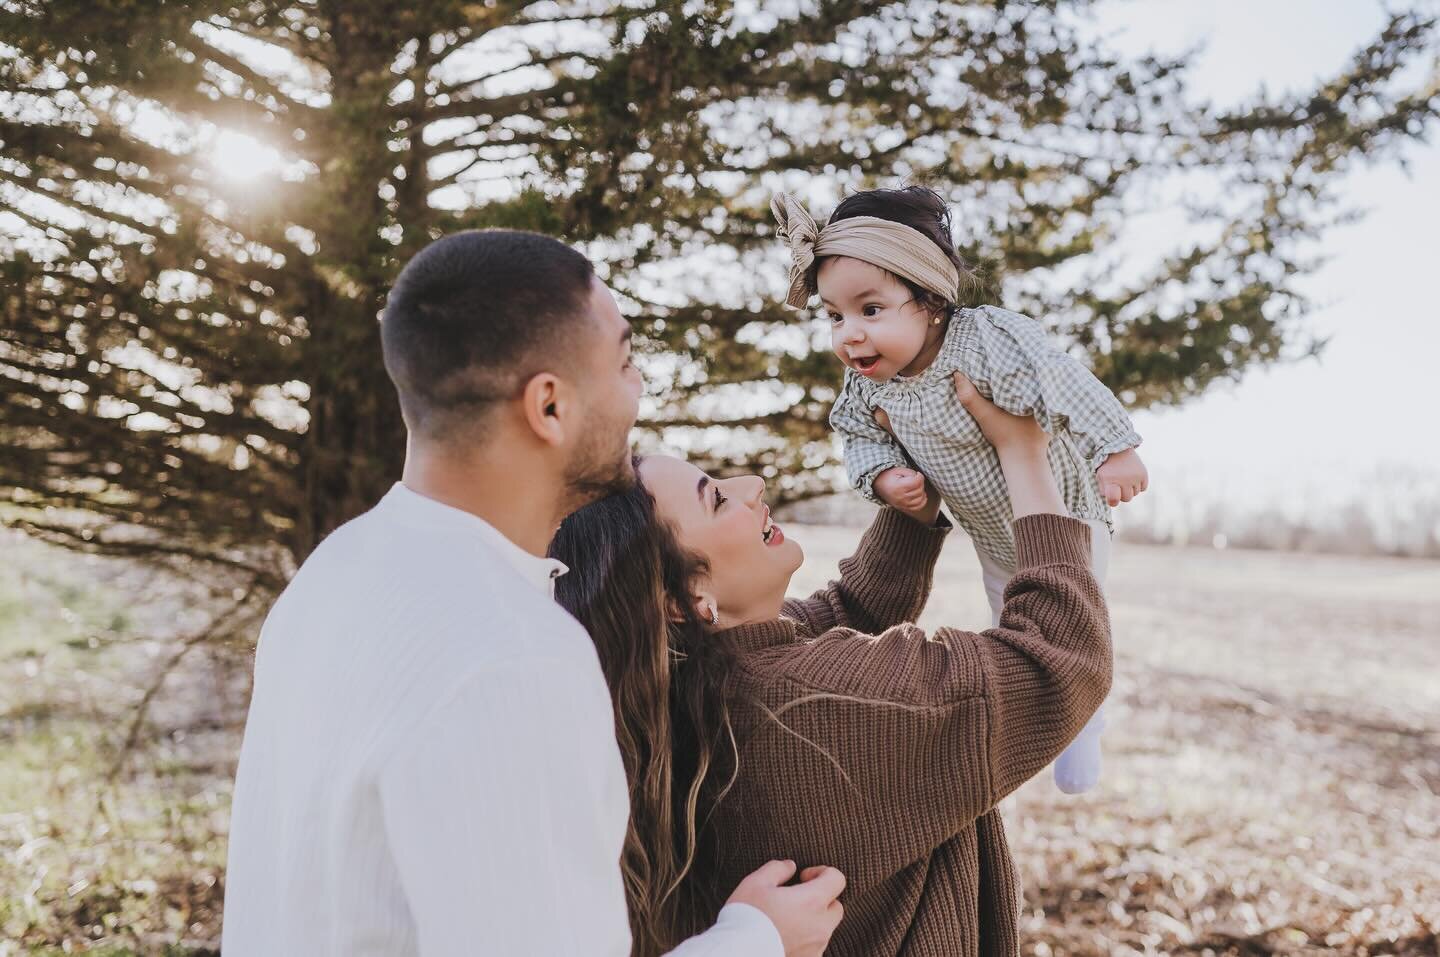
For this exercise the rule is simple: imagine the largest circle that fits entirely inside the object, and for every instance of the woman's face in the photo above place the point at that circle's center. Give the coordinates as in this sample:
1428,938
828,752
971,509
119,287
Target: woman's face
728,523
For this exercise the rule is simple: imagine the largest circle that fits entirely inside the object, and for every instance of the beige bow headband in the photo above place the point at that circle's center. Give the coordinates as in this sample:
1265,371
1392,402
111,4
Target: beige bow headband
894,246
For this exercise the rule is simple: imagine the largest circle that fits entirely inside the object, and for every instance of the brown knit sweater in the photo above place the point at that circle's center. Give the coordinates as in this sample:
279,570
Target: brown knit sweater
899,791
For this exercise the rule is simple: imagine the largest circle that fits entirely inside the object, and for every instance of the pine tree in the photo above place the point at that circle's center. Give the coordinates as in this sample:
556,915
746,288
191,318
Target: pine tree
190,362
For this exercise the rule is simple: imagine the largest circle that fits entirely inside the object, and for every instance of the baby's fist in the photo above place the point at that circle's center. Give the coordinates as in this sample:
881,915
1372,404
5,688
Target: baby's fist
901,488
1122,476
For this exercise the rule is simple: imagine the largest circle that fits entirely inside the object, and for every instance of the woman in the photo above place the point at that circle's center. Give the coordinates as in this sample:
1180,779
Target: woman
832,730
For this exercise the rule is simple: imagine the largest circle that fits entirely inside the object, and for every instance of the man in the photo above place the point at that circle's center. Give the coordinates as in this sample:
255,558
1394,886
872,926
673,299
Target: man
429,764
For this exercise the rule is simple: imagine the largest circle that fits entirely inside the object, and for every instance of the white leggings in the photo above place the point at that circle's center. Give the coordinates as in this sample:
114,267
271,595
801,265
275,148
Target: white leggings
1078,769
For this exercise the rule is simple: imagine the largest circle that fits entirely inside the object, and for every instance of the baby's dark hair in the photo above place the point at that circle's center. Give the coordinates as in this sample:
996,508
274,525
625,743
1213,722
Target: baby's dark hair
922,209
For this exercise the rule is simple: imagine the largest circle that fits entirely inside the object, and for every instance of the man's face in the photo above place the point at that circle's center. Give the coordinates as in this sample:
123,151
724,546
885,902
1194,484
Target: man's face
611,387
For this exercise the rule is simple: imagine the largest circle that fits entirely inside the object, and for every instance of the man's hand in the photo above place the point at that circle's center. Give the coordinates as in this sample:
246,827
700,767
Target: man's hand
1122,476
805,914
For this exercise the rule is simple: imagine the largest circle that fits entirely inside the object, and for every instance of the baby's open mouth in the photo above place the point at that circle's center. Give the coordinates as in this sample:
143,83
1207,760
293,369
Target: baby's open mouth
865,364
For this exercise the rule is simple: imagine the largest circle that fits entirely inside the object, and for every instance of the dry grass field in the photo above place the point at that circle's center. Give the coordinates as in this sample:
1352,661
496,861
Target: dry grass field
1272,783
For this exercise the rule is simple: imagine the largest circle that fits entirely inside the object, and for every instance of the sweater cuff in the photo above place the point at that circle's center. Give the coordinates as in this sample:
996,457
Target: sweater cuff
899,538
1050,539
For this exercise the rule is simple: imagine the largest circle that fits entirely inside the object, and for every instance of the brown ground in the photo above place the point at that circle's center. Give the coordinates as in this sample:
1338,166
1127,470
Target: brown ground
1273,761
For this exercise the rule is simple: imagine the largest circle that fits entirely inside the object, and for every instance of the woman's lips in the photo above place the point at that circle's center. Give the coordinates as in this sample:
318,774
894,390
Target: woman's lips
777,537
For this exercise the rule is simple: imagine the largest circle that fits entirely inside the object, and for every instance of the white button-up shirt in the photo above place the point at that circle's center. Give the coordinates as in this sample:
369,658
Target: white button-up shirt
429,765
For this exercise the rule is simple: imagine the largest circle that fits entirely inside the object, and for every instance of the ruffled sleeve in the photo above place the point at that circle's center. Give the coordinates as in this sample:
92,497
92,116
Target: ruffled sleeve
1024,373
869,449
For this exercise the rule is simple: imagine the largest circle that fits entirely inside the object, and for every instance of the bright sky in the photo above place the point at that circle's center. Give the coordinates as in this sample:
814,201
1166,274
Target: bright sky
1322,428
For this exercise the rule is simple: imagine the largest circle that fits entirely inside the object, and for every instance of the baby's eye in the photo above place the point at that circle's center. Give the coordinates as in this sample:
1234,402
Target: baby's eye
830,317
871,311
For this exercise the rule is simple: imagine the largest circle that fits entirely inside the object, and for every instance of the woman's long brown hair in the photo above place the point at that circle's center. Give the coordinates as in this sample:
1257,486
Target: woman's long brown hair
629,584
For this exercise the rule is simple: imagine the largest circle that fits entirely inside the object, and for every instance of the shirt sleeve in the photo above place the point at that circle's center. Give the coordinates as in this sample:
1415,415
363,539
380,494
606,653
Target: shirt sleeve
501,815
869,449
1024,373
740,931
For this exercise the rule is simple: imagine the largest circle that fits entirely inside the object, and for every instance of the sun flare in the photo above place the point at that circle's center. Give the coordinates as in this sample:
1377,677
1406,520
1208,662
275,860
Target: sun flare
239,157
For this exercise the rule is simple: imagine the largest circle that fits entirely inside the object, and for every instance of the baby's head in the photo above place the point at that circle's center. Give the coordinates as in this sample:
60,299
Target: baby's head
884,324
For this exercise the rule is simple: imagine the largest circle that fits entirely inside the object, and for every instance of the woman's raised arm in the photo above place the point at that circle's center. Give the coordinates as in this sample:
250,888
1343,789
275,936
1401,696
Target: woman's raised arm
885,582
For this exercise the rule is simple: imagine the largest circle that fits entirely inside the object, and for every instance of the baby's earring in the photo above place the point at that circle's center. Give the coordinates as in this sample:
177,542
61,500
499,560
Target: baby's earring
936,320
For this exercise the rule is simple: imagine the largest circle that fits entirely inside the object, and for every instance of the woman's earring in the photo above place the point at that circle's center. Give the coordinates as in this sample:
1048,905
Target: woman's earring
714,616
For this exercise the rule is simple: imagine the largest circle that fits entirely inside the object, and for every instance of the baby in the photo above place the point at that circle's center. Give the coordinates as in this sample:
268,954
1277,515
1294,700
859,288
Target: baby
889,279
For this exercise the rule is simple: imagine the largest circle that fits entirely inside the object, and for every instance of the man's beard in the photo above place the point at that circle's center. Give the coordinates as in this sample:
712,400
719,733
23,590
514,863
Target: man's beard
601,467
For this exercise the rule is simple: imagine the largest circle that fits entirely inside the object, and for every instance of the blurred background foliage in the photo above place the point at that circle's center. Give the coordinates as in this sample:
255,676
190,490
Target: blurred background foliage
204,204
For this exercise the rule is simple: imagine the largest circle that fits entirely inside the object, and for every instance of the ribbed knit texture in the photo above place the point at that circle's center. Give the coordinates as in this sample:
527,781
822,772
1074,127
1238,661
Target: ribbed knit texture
899,791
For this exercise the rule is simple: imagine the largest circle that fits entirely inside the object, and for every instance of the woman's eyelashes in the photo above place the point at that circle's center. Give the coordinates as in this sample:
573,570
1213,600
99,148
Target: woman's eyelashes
719,499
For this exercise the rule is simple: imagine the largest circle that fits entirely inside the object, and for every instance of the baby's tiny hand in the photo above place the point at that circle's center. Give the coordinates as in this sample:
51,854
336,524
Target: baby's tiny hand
902,488
1122,476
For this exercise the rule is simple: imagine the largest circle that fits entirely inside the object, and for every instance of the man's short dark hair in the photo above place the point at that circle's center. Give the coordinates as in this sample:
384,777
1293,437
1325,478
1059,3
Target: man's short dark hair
472,317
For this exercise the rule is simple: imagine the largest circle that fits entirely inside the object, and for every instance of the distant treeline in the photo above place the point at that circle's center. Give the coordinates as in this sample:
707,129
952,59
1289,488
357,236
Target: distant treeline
1396,518
1407,530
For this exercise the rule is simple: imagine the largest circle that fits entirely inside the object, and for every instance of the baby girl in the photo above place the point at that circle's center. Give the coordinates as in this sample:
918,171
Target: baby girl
889,279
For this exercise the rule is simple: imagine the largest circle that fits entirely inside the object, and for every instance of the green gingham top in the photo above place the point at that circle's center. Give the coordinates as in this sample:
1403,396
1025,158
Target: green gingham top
1010,360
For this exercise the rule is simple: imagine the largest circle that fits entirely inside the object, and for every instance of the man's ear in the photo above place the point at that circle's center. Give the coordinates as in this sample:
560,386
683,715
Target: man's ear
548,407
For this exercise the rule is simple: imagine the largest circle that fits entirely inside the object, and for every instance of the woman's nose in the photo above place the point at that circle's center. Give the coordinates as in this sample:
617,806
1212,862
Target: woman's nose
754,489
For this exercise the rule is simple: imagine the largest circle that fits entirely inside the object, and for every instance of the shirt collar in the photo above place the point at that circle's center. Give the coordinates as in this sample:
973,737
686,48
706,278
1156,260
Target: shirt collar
420,509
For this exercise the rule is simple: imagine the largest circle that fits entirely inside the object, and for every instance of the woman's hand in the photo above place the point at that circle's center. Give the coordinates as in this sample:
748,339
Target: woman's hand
1004,430
1021,444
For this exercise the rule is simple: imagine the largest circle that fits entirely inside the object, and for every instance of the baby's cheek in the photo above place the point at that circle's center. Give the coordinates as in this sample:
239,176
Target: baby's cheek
888,337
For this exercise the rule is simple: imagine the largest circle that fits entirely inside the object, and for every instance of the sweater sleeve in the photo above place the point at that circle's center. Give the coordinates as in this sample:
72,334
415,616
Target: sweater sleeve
868,449
910,738
1025,374
885,582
